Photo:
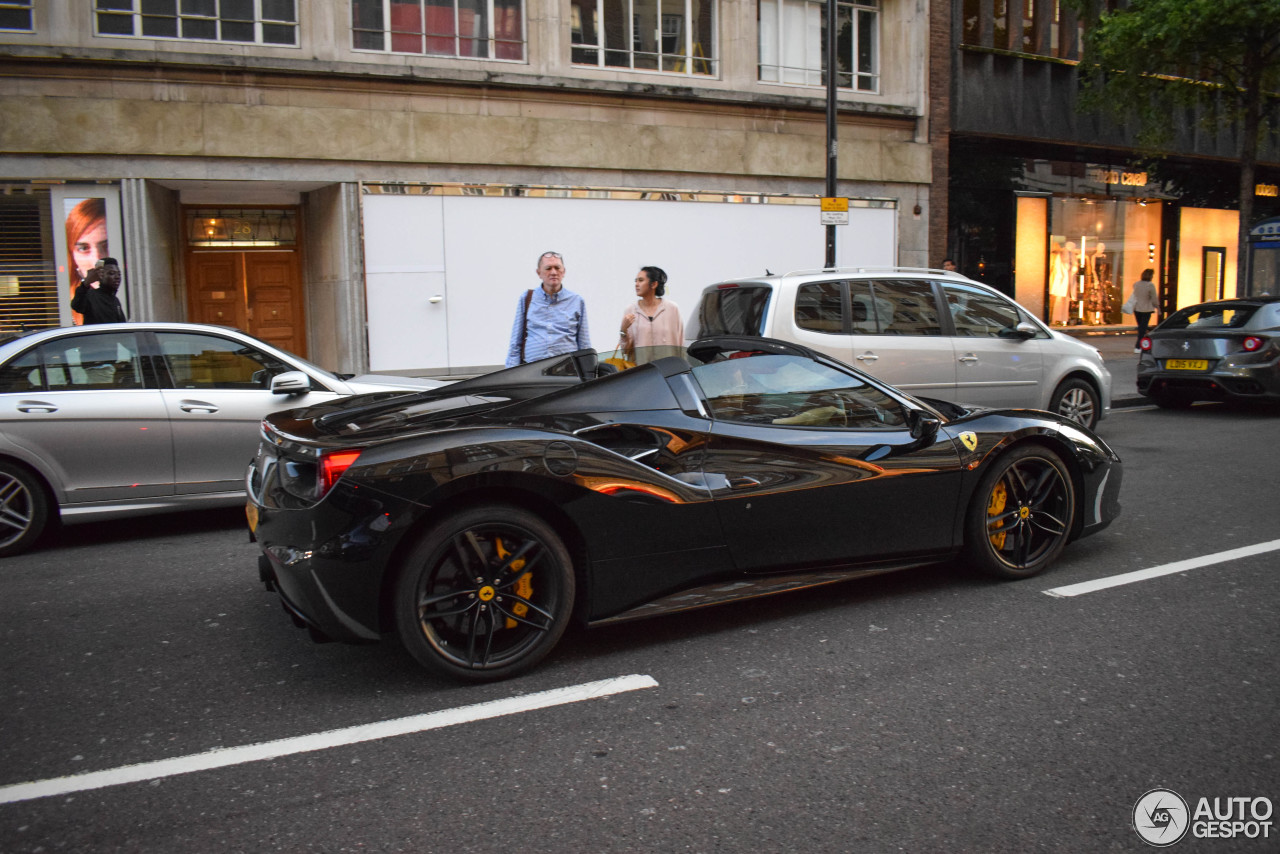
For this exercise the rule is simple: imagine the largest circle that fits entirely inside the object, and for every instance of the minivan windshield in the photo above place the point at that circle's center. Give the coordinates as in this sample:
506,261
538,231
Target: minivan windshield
733,310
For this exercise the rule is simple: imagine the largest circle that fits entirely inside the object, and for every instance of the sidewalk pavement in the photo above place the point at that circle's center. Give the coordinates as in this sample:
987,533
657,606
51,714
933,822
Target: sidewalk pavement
1115,343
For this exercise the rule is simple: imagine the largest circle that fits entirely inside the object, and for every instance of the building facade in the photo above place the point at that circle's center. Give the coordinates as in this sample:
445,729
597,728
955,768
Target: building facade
370,182
1061,209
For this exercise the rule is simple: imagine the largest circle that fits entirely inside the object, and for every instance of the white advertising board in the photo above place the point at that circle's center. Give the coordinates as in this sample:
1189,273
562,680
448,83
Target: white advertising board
445,274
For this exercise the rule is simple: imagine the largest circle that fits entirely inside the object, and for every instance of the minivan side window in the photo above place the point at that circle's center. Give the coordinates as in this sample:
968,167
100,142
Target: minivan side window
981,315
820,307
894,307
734,310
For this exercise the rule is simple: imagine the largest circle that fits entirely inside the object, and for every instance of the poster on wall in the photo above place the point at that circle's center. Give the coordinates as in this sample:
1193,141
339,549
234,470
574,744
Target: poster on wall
86,228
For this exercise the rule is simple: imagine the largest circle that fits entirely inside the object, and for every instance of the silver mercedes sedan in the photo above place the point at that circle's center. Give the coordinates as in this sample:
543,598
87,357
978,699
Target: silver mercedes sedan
126,419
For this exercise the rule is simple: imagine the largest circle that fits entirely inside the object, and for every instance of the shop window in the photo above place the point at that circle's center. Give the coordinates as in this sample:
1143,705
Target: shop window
1095,246
793,43
29,294
266,22
16,16
675,36
466,29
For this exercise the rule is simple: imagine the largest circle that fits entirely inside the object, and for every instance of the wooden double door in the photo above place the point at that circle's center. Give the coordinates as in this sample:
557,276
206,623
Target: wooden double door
257,291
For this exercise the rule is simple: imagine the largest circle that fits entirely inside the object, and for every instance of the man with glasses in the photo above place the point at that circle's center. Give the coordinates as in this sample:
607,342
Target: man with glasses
549,320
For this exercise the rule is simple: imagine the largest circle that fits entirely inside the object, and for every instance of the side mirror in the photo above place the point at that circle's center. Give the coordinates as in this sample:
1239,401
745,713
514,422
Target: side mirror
1025,330
291,382
924,428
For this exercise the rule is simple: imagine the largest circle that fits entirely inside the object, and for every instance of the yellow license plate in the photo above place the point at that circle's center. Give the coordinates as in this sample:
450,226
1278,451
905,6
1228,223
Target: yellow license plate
1187,364
251,513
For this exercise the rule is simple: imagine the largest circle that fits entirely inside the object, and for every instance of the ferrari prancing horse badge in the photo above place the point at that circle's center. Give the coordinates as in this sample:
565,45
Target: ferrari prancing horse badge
969,440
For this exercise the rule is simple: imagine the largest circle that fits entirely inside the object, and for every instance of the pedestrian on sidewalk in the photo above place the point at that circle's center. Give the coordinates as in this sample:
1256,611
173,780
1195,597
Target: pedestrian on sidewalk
1142,303
550,320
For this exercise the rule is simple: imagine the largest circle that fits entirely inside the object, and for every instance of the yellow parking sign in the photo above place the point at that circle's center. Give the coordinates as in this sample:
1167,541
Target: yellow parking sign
835,211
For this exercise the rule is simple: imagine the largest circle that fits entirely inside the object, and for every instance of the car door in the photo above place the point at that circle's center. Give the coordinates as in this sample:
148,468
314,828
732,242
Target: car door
809,466
995,365
897,336
216,392
82,408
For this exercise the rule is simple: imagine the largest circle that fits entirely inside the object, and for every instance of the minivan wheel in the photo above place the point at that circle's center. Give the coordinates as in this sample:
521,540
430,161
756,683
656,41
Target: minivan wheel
1077,400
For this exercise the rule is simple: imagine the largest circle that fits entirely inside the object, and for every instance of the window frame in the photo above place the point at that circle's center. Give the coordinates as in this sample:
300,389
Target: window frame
813,71
114,10
491,40
690,60
18,6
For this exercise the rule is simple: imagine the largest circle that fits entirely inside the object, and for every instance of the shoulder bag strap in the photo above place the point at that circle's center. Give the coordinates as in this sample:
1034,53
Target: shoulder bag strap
524,328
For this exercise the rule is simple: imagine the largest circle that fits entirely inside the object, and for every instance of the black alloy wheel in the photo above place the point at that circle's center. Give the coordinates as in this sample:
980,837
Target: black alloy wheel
1021,514
24,509
1077,400
485,594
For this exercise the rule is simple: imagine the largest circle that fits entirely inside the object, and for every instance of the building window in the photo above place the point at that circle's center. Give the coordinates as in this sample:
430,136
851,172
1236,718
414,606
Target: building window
16,16
675,36
471,29
271,22
793,43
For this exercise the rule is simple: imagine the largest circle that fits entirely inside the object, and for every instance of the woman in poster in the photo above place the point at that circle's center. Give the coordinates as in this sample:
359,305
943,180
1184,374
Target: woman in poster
86,242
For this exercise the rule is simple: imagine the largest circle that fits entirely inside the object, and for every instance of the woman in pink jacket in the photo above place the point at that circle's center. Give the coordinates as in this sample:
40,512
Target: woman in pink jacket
652,320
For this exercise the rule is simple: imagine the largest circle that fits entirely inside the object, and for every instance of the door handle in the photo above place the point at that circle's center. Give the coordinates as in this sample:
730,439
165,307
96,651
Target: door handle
435,299
36,406
867,357
743,482
968,357
197,406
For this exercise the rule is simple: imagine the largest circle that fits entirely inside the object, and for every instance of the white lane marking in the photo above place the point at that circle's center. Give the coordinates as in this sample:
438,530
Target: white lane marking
222,757
1168,569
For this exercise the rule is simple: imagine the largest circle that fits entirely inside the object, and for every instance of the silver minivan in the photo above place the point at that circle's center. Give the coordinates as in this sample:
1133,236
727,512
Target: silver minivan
929,332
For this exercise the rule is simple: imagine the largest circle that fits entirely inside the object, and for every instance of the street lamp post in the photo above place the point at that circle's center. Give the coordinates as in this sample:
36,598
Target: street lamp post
831,124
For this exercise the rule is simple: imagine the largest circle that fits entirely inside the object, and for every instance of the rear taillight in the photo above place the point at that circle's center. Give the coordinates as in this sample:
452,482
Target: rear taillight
1145,345
332,465
1252,343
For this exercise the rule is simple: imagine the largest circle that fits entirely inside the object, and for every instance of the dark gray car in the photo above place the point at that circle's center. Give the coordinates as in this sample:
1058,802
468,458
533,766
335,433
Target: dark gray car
1221,350
113,420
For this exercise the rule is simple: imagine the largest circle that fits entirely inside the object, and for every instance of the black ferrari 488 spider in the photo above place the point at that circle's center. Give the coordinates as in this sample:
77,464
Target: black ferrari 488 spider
475,521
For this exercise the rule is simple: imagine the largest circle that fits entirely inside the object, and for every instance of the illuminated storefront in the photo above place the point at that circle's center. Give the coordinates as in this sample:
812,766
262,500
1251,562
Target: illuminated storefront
1068,239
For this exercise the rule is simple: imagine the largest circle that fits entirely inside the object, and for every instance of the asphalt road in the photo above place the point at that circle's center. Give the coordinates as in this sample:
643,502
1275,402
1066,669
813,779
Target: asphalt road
925,711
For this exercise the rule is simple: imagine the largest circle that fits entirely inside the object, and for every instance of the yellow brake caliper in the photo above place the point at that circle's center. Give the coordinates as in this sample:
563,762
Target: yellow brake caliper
999,497
524,584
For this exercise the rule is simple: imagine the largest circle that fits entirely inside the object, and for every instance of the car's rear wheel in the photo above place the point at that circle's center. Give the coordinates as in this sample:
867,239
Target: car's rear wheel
1078,400
485,594
24,509
1021,514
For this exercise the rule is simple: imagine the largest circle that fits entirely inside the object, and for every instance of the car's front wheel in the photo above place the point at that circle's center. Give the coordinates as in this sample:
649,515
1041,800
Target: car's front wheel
1021,514
485,594
24,509
1078,400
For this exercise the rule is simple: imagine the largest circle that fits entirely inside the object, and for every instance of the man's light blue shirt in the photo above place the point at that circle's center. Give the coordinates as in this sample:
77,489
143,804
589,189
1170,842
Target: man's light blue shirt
557,324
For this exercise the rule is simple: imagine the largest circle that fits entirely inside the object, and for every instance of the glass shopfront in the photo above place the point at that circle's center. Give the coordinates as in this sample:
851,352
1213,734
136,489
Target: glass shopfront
1096,247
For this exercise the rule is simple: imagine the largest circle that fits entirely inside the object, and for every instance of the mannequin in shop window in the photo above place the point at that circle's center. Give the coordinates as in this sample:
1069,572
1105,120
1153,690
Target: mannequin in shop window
1097,285
1062,274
